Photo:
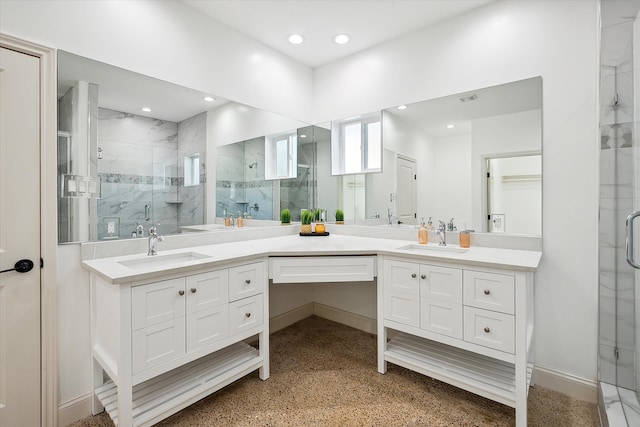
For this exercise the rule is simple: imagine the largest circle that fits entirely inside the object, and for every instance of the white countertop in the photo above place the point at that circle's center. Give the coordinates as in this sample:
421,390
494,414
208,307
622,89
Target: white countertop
218,254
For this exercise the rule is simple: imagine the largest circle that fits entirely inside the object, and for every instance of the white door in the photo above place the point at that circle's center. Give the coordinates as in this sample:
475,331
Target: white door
19,239
407,197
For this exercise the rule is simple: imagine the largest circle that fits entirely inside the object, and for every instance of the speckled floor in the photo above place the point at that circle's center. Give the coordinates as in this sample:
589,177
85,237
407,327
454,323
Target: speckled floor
324,374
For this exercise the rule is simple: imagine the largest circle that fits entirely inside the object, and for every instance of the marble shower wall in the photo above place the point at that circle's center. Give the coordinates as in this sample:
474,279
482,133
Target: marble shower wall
140,171
192,139
617,279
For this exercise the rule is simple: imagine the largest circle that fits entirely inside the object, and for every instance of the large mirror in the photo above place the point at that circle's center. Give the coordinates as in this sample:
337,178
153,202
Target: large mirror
473,157
132,150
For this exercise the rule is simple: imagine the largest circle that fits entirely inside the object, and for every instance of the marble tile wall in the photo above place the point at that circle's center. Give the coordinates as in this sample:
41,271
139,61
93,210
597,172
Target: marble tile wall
192,139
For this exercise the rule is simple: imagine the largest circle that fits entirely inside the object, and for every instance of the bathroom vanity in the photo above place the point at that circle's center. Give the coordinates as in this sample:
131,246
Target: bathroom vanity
171,329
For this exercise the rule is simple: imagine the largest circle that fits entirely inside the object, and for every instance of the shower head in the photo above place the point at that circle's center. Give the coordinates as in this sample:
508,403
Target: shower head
253,164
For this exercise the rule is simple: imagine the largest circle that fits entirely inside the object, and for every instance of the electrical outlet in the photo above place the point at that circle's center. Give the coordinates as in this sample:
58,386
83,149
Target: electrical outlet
111,227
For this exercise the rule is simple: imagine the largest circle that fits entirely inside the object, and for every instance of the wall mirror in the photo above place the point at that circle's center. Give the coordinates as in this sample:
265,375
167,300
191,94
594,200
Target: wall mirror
474,157
122,169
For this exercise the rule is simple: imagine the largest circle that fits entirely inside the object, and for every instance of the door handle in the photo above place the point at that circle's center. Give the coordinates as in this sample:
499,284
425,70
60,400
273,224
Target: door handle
629,240
22,266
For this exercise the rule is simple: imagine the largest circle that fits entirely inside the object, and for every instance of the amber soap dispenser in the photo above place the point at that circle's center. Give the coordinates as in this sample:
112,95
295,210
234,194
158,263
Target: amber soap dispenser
423,234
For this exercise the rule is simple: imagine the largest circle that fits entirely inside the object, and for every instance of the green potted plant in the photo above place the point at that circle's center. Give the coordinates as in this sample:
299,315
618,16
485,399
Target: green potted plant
339,216
306,216
285,217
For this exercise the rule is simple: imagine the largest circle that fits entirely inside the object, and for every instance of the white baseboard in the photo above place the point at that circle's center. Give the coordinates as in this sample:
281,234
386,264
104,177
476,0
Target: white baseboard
575,387
353,320
283,320
73,410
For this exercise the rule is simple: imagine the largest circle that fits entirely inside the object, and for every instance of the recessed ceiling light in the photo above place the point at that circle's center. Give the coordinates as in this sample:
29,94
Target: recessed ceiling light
209,98
146,109
450,126
295,39
303,136
341,38
402,107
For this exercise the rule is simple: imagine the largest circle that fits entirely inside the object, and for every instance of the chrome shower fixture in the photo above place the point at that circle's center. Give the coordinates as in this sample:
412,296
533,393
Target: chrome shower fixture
253,164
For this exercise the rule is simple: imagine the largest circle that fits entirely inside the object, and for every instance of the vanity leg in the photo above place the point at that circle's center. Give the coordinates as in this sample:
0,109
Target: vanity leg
382,346
263,341
97,379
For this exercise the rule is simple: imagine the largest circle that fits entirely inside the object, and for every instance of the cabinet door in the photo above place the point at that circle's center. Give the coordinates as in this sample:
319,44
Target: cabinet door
157,344
207,290
400,276
206,327
245,314
402,308
441,283
157,302
442,317
246,280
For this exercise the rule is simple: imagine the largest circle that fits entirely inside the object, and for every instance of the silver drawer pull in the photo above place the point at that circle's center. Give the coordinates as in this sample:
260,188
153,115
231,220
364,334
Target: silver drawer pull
193,290
248,281
424,276
486,329
180,292
487,292
247,314
413,276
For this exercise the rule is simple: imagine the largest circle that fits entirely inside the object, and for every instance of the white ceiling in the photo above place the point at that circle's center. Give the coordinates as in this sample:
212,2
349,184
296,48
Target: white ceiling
369,22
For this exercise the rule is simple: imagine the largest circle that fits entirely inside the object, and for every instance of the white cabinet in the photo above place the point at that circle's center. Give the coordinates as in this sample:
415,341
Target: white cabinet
168,343
466,325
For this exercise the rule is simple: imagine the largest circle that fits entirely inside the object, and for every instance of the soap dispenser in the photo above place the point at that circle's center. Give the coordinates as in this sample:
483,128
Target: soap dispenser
423,233
465,237
240,222
430,225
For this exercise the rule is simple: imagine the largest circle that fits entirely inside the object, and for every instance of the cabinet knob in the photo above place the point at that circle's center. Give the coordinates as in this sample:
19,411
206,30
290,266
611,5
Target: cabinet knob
248,281
486,329
487,292
180,292
247,314
413,276
424,276
193,290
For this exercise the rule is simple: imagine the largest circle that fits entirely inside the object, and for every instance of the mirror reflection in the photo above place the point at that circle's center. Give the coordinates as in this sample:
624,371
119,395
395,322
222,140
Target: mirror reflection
438,153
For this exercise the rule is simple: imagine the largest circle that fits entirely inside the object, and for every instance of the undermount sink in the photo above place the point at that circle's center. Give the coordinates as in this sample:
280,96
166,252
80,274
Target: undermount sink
163,260
434,248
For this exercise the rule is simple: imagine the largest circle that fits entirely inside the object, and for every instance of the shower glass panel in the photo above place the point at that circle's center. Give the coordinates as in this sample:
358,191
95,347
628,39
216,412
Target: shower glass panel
619,352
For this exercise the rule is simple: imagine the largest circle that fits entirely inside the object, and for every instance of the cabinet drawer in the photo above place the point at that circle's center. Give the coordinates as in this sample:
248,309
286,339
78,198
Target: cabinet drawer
245,314
402,277
490,291
246,280
207,290
442,317
157,344
327,269
490,329
441,283
402,308
206,327
157,302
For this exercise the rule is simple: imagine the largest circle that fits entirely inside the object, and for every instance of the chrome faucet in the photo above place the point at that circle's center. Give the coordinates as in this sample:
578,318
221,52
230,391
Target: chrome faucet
442,232
139,230
154,238
450,226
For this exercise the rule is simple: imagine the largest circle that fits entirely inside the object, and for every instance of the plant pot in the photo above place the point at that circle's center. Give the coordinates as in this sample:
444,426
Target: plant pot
285,223
305,228
339,222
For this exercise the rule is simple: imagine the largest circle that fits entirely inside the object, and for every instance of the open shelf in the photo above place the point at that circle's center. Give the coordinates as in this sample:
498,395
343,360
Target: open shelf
162,396
479,374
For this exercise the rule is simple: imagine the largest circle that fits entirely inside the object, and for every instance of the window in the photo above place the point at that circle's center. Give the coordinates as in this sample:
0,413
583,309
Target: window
281,156
356,145
192,170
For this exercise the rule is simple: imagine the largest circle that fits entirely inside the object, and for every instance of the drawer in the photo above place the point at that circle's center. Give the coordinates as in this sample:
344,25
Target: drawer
490,291
157,344
157,302
245,314
206,327
442,317
402,308
489,329
402,277
441,283
207,290
246,280
328,269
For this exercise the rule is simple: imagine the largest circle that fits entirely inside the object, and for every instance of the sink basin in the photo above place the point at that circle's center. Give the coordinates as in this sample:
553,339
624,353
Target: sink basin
163,260
433,248
397,225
